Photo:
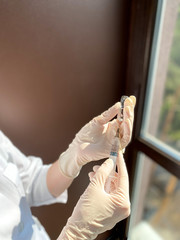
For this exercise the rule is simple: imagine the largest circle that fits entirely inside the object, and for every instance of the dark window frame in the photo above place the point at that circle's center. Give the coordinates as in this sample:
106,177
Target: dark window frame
141,30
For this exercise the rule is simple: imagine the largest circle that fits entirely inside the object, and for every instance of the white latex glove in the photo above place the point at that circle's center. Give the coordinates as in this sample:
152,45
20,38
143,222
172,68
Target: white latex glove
96,210
94,140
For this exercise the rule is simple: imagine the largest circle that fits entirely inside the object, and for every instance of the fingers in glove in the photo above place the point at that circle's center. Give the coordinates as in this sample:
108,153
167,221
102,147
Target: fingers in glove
121,194
125,133
129,113
122,178
129,101
108,115
91,175
103,173
112,129
133,100
129,107
114,184
95,168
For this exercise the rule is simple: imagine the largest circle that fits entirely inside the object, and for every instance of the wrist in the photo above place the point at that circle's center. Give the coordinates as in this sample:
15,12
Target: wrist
77,231
68,163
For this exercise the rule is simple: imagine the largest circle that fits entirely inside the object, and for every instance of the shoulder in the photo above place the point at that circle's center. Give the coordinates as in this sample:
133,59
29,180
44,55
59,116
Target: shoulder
4,139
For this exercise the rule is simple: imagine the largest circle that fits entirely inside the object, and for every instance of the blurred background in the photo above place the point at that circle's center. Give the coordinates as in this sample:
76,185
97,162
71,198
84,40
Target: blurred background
64,62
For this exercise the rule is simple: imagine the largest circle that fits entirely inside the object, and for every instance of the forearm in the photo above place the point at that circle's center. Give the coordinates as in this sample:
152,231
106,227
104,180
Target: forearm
57,182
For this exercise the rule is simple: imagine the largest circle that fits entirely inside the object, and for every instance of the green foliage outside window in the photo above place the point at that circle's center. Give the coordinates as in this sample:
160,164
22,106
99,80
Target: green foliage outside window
169,125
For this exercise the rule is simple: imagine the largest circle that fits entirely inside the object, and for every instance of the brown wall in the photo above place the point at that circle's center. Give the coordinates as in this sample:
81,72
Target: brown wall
62,62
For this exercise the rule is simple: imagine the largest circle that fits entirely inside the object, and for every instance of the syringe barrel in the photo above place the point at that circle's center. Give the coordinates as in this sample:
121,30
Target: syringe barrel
115,146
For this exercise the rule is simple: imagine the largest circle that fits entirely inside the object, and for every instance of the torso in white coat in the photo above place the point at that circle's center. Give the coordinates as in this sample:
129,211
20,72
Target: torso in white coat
22,185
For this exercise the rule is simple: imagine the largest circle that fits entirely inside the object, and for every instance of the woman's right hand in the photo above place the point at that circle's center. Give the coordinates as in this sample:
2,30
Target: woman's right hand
97,210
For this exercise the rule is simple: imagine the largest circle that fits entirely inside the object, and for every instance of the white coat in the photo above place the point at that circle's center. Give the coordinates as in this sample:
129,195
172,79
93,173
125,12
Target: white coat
22,185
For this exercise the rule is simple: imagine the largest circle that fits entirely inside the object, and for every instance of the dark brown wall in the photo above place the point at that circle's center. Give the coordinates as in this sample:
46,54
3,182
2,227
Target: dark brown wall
62,62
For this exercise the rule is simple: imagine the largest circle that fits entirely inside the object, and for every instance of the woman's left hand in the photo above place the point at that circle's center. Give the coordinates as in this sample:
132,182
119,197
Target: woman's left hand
94,140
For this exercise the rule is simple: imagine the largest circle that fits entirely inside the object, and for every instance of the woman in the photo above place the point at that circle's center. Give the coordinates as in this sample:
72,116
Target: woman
26,182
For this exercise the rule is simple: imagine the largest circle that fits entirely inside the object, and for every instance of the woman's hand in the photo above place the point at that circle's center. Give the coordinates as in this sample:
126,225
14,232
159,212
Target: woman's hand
94,140
97,210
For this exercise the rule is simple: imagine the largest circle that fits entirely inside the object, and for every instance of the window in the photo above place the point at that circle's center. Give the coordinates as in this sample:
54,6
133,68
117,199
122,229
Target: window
155,213
153,158
161,123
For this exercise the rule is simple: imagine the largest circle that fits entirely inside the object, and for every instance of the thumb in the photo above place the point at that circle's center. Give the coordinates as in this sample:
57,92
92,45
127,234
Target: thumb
108,115
123,180
103,172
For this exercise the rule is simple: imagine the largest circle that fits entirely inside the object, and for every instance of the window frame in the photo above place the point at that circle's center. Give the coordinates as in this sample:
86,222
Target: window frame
143,15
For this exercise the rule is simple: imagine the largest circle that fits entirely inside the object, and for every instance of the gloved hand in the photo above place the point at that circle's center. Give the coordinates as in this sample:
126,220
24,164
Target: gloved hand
96,210
94,140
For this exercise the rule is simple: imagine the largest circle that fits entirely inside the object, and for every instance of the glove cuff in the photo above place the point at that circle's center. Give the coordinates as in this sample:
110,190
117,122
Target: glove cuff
68,163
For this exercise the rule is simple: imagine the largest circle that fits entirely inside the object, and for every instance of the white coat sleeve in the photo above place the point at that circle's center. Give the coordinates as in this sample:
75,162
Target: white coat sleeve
32,173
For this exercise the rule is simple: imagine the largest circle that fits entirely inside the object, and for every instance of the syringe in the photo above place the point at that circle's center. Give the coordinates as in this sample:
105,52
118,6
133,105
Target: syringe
115,146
